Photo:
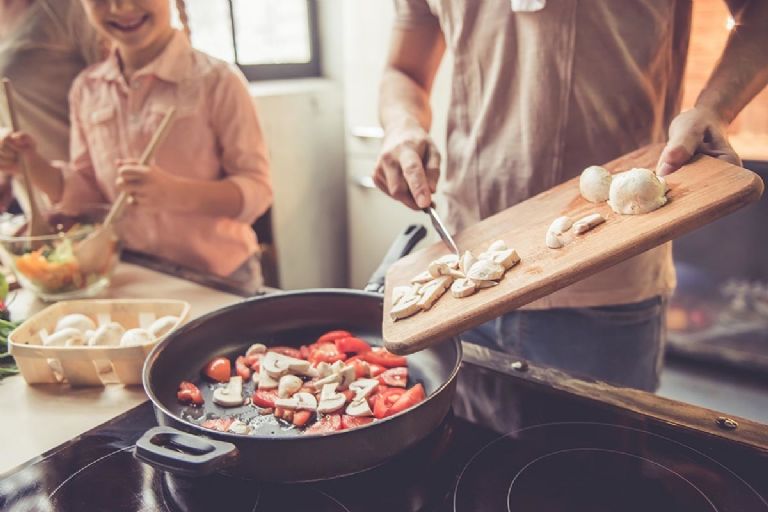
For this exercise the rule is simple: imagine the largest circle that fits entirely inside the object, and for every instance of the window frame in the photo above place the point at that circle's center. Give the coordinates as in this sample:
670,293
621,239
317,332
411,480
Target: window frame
289,70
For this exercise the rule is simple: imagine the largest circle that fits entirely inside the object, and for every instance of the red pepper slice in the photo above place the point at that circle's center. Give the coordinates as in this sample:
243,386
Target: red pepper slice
352,345
332,336
384,357
328,423
264,398
286,351
241,368
189,394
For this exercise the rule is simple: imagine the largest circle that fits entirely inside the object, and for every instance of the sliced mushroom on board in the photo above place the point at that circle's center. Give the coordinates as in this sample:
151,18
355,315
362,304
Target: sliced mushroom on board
584,224
463,288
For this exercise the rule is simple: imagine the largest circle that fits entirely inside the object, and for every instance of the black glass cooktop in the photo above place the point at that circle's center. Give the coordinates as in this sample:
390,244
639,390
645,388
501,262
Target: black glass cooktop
510,444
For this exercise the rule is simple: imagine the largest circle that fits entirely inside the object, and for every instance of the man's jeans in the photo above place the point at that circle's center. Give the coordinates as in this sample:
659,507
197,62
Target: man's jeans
621,344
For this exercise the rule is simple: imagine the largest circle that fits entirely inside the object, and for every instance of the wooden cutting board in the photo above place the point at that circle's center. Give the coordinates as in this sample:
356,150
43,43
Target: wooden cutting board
699,193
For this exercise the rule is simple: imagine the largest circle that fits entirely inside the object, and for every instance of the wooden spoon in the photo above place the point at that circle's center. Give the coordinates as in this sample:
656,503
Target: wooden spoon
37,225
93,252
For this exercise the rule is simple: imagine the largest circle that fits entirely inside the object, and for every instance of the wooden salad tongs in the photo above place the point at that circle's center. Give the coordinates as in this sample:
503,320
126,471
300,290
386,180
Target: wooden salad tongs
92,253
37,225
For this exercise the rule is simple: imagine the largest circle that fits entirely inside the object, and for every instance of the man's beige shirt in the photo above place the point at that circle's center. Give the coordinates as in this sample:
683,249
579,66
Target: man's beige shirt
538,96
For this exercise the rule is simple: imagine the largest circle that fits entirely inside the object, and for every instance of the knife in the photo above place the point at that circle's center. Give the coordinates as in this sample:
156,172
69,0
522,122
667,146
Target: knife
441,230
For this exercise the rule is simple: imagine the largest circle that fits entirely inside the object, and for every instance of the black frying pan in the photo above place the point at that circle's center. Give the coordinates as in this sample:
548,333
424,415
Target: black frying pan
275,453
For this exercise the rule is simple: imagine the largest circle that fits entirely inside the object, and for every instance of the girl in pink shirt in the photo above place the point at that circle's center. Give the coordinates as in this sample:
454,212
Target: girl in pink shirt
210,178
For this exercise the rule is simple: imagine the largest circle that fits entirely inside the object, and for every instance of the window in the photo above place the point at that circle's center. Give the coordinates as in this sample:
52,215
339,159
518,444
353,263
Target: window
267,39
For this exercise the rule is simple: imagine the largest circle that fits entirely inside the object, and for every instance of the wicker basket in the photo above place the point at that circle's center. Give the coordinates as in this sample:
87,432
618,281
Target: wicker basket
78,364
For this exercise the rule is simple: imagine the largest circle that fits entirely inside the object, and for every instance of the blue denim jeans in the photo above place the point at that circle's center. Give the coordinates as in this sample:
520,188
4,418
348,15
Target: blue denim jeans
621,344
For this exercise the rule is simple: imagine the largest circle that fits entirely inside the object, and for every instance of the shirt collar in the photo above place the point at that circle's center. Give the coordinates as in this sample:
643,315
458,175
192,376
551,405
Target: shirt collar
172,65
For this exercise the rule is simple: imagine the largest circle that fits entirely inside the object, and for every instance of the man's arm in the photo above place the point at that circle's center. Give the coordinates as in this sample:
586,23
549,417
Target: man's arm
738,77
409,164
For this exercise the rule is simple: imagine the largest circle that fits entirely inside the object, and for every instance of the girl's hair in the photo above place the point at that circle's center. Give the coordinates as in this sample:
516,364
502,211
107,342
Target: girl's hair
181,7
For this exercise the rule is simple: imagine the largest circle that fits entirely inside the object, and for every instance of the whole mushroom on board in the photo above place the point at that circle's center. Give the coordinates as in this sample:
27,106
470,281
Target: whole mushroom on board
594,184
637,191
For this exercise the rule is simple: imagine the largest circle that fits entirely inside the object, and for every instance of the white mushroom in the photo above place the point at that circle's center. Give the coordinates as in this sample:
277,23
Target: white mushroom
324,369
636,191
423,277
363,388
463,288
68,336
307,401
407,306
238,427
264,379
107,335
480,285
583,225
277,365
75,321
256,348
467,260
330,400
498,245
443,265
230,395
433,290
594,184
347,375
359,408
553,241
561,224
288,385
398,292
485,270
507,258
163,325
136,337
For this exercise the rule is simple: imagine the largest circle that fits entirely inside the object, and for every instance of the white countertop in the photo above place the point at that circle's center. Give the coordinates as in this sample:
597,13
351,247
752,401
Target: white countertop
38,418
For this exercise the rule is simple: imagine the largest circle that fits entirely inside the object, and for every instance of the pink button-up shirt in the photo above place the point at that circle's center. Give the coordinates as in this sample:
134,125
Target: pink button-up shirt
215,135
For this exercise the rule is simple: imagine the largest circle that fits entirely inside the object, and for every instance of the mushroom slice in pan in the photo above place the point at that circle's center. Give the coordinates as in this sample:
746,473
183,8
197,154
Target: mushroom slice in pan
463,288
306,401
330,399
288,385
359,408
363,388
238,427
230,395
485,270
256,348
264,379
277,365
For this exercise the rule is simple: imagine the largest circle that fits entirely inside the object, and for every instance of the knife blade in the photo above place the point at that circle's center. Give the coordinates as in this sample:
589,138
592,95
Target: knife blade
441,230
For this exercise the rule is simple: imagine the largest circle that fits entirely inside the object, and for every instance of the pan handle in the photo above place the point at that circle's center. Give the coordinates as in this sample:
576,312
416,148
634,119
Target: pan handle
402,246
178,452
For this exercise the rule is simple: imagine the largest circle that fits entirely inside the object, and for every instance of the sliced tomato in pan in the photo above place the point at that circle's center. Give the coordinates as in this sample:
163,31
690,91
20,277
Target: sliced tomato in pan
219,424
264,398
352,345
384,357
362,369
332,336
242,369
325,352
218,369
328,423
190,394
348,421
395,377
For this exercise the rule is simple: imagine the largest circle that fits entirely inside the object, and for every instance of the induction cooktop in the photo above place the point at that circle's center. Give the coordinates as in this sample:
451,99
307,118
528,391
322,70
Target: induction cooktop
518,439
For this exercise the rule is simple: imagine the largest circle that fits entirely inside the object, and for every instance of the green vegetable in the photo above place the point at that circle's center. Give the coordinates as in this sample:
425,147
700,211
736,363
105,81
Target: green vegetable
3,287
62,253
7,364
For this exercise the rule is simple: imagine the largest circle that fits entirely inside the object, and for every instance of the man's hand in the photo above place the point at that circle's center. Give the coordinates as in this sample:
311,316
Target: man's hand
695,131
408,167
14,145
149,186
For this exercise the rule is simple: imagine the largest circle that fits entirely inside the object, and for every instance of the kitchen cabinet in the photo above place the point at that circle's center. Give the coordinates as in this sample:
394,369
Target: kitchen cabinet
373,218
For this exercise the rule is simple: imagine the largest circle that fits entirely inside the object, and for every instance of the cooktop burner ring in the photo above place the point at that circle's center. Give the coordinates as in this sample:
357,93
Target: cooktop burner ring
85,468
618,452
517,435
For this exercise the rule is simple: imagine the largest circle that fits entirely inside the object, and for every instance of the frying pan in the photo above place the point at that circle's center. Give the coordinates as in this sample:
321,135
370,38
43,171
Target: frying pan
273,452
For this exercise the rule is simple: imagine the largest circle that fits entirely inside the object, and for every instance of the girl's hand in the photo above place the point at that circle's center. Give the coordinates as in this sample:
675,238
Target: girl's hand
14,145
149,186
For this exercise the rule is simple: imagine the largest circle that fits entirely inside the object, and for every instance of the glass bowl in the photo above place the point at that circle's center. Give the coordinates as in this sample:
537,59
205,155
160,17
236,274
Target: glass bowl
47,265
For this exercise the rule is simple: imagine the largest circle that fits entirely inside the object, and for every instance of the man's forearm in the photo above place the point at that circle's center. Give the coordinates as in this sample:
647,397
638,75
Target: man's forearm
45,177
742,71
403,103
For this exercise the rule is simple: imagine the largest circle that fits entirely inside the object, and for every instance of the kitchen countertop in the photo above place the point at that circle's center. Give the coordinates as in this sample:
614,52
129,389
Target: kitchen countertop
38,418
